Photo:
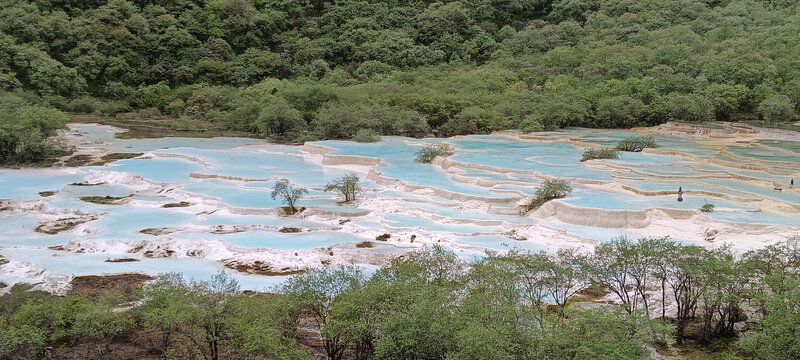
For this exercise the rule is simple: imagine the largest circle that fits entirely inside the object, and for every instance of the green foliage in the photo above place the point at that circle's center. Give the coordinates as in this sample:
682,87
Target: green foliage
776,108
707,207
431,304
429,152
774,270
32,320
177,204
549,190
316,292
103,200
458,67
167,309
346,185
101,322
277,119
605,153
776,341
636,143
288,193
20,340
28,133
214,319
260,327
366,136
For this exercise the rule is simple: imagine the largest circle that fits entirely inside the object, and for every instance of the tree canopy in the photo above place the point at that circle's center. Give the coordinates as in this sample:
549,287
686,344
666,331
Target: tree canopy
298,70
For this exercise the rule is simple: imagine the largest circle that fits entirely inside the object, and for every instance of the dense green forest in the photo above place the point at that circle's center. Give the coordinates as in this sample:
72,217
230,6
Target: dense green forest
295,70
431,304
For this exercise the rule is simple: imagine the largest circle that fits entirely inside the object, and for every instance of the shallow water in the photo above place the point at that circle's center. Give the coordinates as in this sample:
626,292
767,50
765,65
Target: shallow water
431,206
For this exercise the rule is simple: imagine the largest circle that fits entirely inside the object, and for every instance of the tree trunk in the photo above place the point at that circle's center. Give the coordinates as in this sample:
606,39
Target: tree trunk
663,299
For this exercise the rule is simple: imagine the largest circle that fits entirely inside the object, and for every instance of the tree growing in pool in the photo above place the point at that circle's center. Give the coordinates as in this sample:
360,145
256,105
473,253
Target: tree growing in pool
549,190
426,154
288,193
346,185
636,143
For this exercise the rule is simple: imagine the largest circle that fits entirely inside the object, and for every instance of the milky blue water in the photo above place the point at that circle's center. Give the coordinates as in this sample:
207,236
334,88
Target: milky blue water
764,154
64,263
786,145
466,214
608,199
278,240
170,170
523,164
26,185
499,242
399,156
411,222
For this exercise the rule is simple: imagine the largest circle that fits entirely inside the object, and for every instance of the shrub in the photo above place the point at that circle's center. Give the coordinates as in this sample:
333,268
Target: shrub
707,207
383,237
426,154
514,235
90,105
78,160
103,200
605,153
530,124
776,108
365,244
366,136
372,70
549,190
177,204
636,143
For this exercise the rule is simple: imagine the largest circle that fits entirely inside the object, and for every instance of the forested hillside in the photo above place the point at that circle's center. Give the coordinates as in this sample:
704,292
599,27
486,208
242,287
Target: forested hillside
294,70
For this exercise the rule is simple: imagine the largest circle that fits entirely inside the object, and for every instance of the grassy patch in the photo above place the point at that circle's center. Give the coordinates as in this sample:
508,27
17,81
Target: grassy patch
593,293
287,210
606,153
383,237
87,184
103,200
262,268
707,207
78,160
428,153
636,143
60,225
178,204
105,159
47,193
549,190
128,286
121,260
289,230
365,244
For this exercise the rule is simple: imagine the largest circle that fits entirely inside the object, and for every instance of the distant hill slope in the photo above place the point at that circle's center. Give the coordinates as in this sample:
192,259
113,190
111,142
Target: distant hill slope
297,70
